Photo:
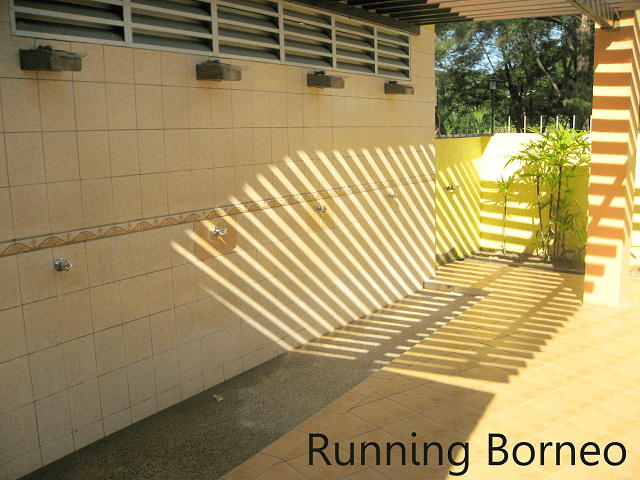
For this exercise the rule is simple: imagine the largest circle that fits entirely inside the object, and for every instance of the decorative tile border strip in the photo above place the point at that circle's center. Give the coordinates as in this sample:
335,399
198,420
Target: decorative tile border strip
23,245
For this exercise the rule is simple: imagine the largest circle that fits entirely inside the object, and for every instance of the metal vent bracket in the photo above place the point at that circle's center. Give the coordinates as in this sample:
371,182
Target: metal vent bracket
216,71
321,80
393,88
46,59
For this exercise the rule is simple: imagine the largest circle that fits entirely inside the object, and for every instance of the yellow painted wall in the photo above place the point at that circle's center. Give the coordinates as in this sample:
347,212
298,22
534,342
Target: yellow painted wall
125,167
458,212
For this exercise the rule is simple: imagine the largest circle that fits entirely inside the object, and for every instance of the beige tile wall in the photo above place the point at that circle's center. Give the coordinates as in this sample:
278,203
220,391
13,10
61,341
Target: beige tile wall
147,318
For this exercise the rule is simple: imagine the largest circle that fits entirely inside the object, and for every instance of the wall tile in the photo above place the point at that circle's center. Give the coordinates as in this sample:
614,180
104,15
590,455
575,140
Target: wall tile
192,387
80,360
163,331
190,360
184,284
20,105
37,280
179,191
25,160
75,315
137,340
151,151
154,195
121,106
169,398
224,181
222,140
48,371
118,64
174,107
9,282
279,144
187,323
214,377
114,392
93,154
260,76
110,350
102,261
97,202
199,108
142,383
147,66
160,285
127,198
182,243
149,106
260,109
57,105
16,384
144,409
65,206
42,324
242,108
277,77
12,334
157,249
232,342
243,146
76,278
221,109
131,255
4,175
278,109
294,79
84,404
167,370
105,306
177,150
202,189
57,449
117,421
54,419
89,434
91,106
30,210
310,110
212,356
123,149
61,156
19,432
133,298
200,148
174,68
92,64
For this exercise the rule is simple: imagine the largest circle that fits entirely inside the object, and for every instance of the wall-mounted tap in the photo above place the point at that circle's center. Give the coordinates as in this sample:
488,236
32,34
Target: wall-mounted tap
393,195
62,265
451,188
218,231
321,209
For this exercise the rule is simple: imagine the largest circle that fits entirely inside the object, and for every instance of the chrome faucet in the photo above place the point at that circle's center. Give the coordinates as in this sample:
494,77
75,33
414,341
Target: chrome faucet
62,265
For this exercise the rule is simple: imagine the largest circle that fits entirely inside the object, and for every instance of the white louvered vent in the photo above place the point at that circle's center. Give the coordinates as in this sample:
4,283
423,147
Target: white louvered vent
265,30
180,24
97,20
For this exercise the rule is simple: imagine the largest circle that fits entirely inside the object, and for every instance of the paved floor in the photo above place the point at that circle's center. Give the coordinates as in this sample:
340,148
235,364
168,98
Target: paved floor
203,438
528,362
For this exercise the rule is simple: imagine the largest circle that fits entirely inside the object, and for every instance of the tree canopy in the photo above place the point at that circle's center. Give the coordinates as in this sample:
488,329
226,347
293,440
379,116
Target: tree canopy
542,67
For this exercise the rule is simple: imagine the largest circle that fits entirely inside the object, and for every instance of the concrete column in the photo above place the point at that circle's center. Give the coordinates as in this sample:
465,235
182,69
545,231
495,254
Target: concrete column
613,159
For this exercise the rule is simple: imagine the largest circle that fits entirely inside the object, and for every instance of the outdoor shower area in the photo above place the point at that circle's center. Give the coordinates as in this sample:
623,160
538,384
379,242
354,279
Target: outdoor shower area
210,225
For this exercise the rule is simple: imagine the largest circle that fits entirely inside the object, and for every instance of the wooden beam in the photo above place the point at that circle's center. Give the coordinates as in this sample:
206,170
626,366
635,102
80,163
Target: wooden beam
599,11
360,14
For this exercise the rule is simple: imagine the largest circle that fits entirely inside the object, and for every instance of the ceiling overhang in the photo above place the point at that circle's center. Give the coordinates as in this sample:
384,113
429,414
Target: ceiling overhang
409,15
